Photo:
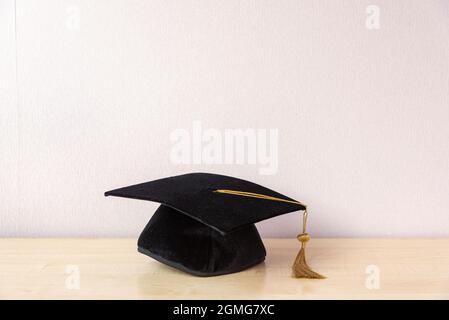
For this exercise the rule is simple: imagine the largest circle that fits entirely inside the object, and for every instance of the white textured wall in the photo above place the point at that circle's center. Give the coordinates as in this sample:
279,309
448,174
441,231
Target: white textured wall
91,90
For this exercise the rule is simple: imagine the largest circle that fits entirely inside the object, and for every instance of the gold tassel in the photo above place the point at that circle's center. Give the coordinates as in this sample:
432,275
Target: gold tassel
300,267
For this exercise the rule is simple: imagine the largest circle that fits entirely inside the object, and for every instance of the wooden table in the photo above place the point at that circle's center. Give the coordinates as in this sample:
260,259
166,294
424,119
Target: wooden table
113,269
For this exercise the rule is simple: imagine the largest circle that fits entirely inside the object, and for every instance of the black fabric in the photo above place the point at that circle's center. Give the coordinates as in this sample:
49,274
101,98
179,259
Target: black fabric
193,194
203,232
186,244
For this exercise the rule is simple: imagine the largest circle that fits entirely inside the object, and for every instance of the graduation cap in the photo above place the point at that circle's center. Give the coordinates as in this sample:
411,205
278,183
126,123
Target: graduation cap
205,223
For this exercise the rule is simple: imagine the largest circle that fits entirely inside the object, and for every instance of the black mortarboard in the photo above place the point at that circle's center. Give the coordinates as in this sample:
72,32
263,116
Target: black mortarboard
205,223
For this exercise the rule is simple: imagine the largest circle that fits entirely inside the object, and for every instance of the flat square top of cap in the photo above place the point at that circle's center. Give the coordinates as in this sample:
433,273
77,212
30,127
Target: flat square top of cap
221,202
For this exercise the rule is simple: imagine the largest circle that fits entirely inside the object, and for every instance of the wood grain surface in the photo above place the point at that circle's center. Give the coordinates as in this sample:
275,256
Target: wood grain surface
113,269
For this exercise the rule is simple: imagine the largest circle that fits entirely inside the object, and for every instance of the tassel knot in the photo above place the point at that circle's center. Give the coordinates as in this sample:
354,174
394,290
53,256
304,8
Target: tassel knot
303,237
